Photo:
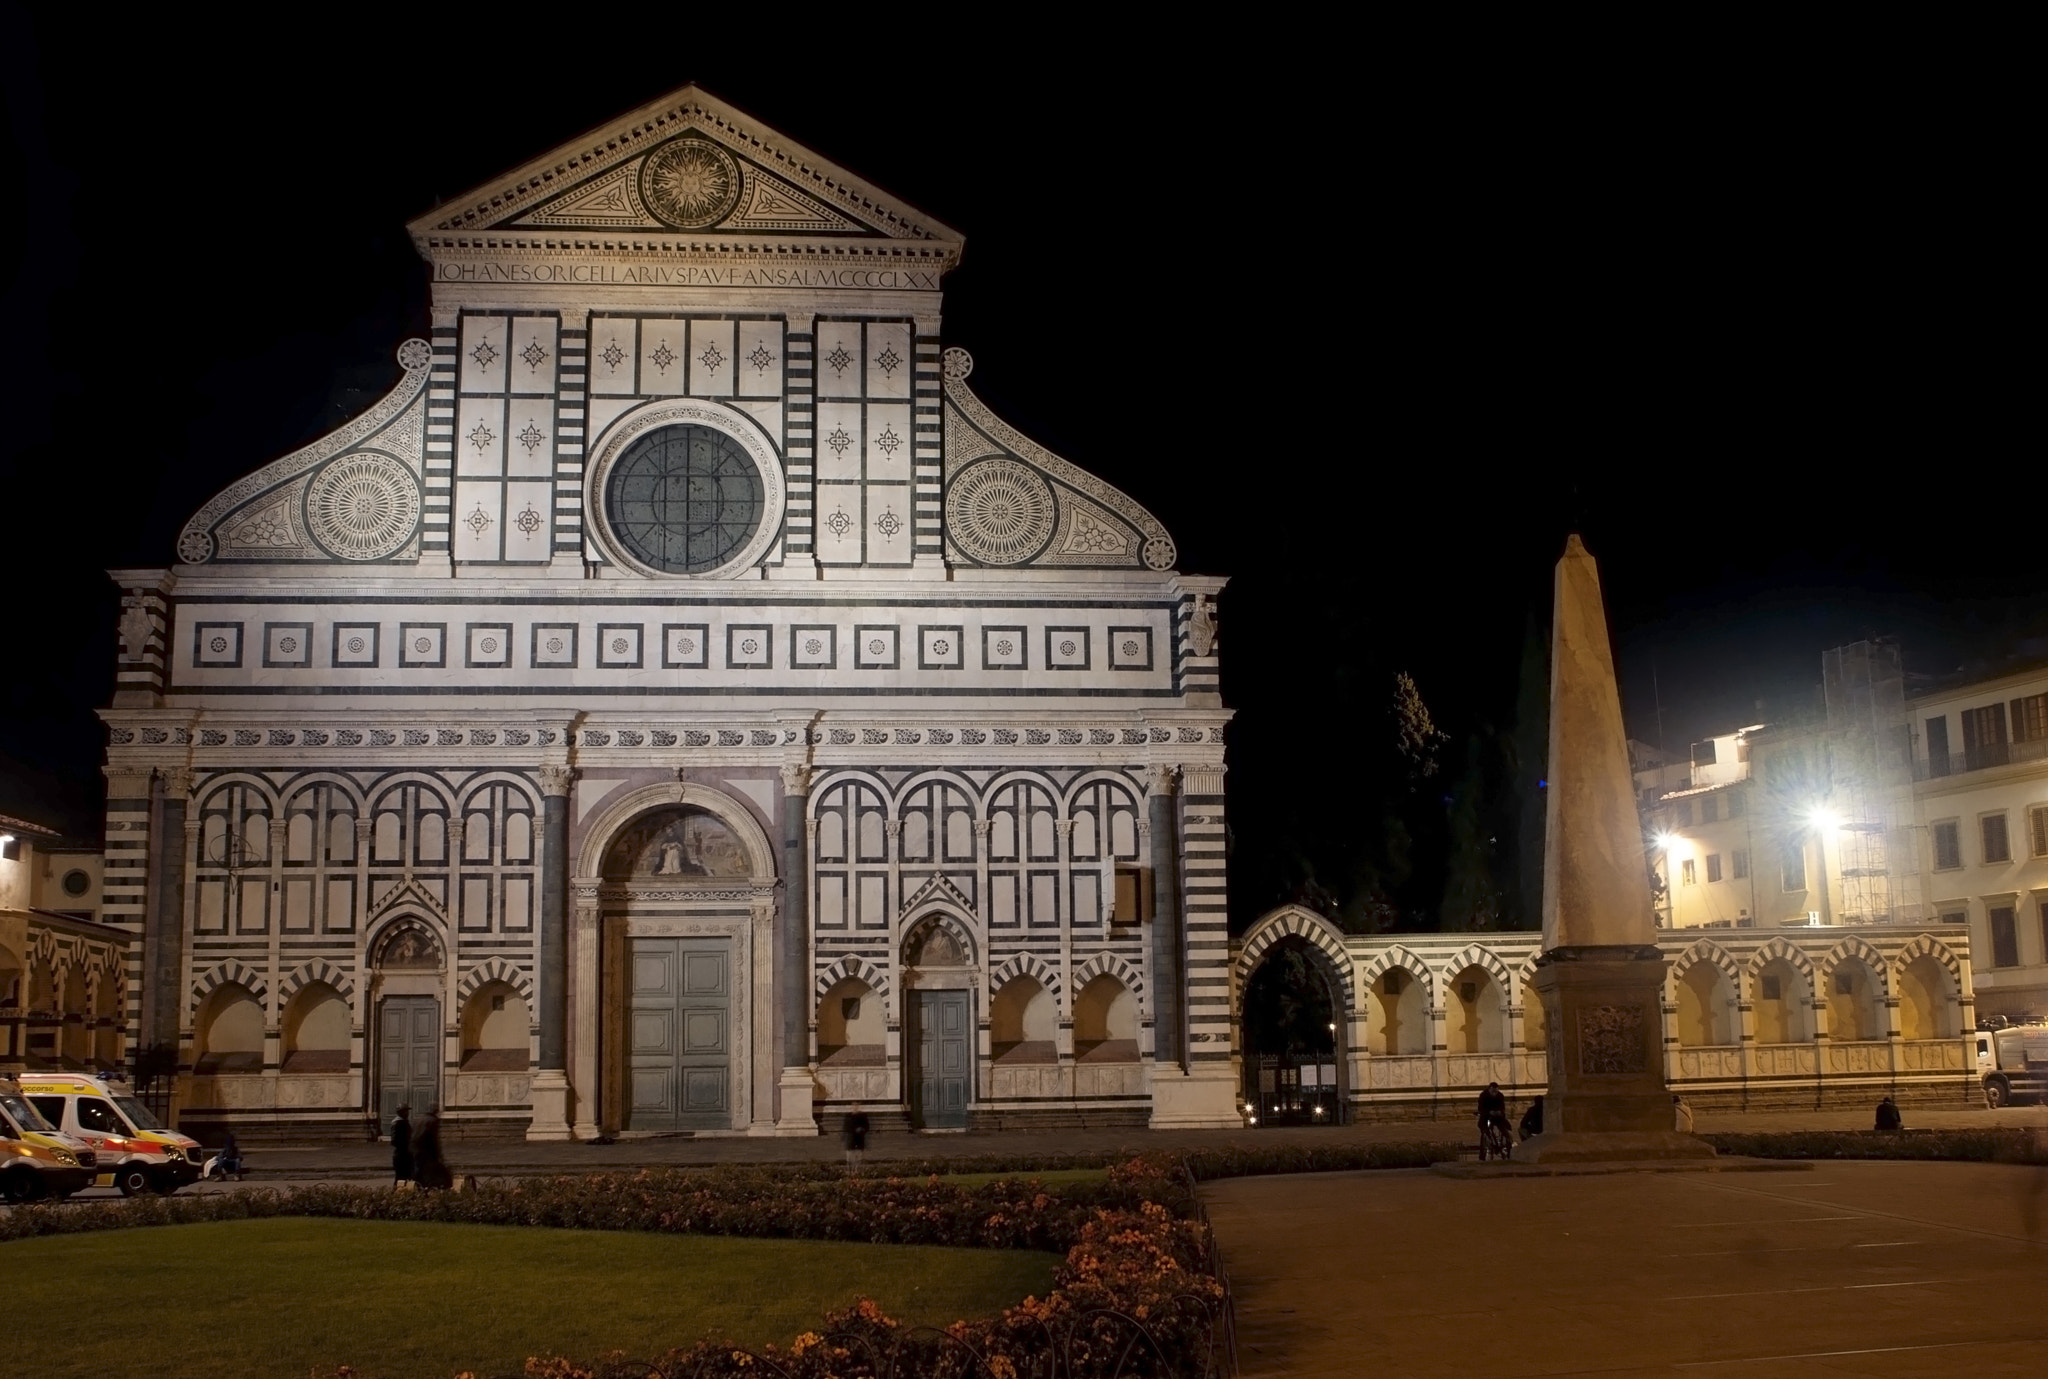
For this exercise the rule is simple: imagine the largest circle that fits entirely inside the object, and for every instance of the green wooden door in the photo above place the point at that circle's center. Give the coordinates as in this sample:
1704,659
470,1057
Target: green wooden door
942,1038
679,1035
408,1056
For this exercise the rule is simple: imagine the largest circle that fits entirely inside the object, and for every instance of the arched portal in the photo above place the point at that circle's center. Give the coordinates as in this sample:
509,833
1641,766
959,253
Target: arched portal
941,979
675,890
408,978
1295,1019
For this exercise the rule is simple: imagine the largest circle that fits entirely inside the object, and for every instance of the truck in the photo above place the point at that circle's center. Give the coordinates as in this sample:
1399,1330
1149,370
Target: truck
2013,1064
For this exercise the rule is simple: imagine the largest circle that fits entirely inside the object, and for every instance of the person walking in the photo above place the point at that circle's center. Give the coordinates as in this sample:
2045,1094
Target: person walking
856,1132
1681,1114
1888,1118
429,1169
401,1147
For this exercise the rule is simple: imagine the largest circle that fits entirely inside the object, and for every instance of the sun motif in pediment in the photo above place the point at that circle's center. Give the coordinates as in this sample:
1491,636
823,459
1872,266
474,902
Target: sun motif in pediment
689,183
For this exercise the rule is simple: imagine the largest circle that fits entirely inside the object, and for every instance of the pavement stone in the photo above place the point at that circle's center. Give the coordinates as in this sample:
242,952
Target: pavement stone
1898,1270
507,1157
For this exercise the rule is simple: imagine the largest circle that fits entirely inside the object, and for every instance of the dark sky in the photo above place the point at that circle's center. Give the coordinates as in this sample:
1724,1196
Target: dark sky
1371,324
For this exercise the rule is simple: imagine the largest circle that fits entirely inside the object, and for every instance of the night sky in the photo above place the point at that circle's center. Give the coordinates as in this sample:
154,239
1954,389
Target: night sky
1371,326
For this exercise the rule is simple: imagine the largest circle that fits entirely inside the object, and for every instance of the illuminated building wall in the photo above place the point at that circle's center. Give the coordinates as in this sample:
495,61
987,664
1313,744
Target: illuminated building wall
679,704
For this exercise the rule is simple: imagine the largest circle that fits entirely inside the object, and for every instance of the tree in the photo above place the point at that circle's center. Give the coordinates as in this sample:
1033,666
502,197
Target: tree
1417,739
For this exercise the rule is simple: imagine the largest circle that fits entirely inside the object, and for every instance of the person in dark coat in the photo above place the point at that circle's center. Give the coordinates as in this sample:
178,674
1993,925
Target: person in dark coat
401,1146
429,1169
856,1132
1532,1119
1888,1117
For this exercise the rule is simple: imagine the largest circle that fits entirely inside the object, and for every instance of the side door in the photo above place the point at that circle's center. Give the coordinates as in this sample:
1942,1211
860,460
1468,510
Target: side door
408,1055
944,1059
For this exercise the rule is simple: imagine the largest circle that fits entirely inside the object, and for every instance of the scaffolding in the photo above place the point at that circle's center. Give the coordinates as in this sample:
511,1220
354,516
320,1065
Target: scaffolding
1870,767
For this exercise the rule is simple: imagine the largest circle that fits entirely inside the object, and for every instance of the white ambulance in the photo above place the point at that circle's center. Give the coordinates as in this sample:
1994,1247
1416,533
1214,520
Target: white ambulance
136,1153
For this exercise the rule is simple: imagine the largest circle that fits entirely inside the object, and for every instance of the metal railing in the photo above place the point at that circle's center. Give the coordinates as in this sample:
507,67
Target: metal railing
1979,758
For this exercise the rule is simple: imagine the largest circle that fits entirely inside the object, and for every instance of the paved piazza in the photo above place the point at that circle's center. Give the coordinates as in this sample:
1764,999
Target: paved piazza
1871,1268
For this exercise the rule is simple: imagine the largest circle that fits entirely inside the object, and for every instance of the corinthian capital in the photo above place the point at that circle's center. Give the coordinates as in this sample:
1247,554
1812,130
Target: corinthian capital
556,780
796,779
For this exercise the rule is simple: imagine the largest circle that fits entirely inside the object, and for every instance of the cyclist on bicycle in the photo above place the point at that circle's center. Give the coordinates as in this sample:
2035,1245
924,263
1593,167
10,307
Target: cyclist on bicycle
1493,1110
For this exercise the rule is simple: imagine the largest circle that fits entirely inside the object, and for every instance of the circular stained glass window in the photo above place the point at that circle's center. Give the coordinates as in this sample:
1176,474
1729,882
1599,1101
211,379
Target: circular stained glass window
684,499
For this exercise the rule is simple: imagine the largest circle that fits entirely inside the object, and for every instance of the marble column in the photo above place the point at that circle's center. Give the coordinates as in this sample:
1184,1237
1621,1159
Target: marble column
792,943
551,1075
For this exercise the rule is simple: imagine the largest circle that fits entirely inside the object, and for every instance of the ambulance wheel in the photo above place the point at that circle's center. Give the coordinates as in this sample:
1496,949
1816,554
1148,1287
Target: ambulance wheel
1997,1093
134,1180
24,1185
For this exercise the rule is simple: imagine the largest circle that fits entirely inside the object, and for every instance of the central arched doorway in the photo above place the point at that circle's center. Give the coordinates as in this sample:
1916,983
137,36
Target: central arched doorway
1294,1021
670,989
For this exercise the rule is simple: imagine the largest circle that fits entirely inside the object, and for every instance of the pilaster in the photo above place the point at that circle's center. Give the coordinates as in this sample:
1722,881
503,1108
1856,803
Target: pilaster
797,1085
551,1078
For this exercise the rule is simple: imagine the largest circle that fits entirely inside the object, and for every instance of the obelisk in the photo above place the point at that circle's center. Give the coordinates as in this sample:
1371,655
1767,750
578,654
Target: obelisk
1600,977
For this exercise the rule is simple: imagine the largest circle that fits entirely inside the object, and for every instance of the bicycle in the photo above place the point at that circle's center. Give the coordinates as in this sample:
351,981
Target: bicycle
1494,1141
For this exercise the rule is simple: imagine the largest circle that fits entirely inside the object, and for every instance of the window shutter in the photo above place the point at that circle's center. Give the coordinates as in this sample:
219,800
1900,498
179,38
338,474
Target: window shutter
2019,720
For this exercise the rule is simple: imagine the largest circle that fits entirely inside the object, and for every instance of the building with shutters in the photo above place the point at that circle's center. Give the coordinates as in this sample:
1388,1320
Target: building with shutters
678,704
1980,773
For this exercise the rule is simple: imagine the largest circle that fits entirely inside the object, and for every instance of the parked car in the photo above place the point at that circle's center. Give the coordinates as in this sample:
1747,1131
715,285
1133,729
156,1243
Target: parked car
136,1153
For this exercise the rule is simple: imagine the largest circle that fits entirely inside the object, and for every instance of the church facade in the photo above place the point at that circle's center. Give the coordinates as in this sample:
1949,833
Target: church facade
678,705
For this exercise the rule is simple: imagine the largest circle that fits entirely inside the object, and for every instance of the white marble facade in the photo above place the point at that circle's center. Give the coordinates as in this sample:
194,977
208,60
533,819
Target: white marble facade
678,704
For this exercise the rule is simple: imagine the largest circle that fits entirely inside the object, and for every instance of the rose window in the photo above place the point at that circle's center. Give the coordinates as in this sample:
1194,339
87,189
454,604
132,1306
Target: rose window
684,499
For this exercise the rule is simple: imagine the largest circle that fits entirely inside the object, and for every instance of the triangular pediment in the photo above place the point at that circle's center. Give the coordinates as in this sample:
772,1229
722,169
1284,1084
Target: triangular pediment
936,891
687,164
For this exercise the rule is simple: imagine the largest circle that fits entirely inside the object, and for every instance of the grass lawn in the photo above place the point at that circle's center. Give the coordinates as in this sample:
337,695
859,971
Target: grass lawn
424,1300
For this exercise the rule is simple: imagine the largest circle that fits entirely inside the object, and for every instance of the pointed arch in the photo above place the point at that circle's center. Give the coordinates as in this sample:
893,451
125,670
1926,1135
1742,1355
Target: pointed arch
394,921
943,917
1774,948
1708,951
855,968
1855,946
495,970
318,970
1110,965
1928,946
229,973
1480,956
1296,921
1399,955
1027,965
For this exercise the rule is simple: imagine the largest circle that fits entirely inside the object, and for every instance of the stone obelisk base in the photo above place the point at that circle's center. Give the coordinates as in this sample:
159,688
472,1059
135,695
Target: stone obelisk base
1607,1100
